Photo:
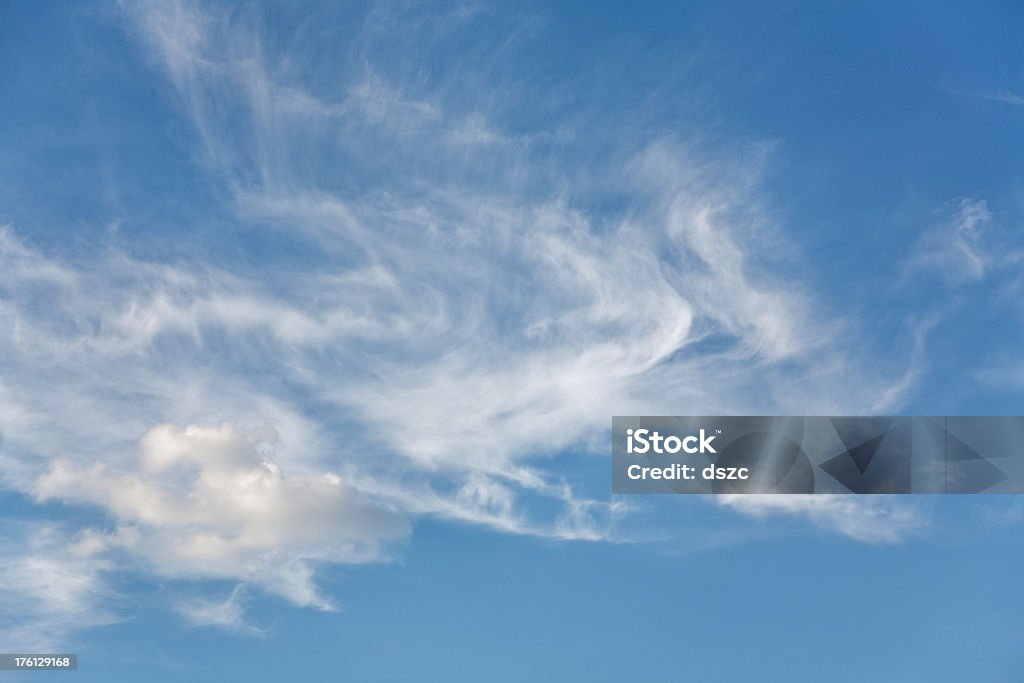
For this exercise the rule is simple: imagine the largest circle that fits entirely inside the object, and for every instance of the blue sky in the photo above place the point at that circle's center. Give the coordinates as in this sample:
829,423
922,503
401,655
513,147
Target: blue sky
313,319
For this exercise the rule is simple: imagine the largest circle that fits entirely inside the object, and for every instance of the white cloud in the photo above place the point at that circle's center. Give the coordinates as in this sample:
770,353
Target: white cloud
956,251
871,519
212,503
464,318
52,584
228,614
1003,96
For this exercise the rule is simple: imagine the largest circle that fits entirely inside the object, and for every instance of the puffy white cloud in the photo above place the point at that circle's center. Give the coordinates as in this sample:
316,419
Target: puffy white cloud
212,503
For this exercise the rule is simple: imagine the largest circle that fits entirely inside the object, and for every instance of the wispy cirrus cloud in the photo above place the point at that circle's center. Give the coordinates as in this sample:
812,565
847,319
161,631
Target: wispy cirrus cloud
1003,96
54,585
464,319
228,613
878,520
957,250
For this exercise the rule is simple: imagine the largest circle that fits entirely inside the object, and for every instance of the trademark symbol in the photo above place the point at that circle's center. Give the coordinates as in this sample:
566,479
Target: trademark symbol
718,431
